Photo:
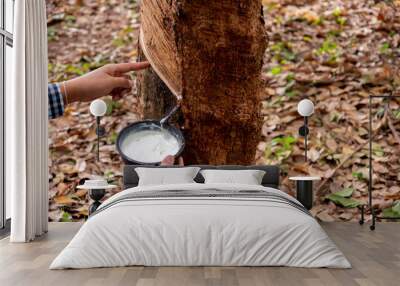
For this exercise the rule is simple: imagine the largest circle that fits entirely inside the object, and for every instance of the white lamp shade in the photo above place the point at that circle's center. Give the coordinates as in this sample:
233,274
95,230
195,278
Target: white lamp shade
98,107
305,107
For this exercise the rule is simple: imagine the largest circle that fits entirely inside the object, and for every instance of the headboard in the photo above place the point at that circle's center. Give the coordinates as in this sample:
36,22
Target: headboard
270,179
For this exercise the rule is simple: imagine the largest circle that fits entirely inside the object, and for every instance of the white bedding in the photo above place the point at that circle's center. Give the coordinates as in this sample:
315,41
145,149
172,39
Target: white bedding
200,231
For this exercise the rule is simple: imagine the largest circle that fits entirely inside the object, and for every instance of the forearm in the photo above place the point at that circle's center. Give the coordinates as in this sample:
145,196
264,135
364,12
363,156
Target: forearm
71,91
62,94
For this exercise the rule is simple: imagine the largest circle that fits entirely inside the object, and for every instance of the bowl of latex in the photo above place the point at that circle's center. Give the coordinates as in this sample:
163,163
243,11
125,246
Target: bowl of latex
148,142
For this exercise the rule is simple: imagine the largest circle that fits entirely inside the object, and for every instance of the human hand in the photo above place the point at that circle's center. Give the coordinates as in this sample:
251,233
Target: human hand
170,161
111,79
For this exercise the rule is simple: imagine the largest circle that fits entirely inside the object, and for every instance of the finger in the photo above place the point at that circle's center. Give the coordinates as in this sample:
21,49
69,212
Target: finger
128,67
127,76
168,161
121,82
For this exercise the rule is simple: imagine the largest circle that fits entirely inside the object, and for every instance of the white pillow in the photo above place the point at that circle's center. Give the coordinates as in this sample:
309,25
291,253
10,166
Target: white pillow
248,177
166,176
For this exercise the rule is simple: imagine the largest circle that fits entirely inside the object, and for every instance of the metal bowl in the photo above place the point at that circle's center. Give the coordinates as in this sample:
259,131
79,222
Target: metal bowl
147,125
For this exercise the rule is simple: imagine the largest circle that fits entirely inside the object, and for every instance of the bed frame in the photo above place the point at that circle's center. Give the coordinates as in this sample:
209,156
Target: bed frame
270,179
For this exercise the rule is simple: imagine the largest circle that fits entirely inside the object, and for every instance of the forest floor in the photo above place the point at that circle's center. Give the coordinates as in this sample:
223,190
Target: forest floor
335,53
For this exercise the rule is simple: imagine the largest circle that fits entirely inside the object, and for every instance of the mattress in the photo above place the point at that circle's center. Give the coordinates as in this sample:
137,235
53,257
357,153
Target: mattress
201,225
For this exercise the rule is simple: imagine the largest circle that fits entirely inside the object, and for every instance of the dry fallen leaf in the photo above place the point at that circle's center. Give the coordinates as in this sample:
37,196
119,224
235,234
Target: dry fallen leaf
335,53
64,200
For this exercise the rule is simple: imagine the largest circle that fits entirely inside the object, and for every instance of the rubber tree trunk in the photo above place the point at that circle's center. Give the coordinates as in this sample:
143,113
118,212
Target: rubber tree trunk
207,56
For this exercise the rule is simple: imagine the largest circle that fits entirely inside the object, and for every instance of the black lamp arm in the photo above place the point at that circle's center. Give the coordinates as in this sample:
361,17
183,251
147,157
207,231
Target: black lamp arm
303,131
100,131
305,138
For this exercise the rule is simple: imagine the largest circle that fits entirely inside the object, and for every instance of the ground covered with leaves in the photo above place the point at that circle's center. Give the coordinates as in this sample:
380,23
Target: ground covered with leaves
335,53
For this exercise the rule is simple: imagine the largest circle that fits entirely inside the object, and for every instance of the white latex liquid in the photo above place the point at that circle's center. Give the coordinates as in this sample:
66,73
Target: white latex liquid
150,146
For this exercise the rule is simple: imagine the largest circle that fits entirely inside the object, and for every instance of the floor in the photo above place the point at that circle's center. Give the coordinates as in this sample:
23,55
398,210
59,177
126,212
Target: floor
375,257
5,231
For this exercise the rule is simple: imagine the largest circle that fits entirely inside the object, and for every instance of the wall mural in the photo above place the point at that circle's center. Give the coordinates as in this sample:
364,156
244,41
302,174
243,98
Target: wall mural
335,53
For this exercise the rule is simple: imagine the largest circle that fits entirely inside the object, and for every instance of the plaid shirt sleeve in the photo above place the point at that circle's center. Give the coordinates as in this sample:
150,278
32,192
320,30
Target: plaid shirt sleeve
56,103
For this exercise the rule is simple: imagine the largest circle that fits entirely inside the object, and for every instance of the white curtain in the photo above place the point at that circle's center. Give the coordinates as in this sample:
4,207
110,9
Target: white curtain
26,124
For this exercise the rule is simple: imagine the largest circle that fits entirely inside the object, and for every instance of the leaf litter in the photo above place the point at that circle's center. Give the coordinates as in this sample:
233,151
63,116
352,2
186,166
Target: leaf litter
335,53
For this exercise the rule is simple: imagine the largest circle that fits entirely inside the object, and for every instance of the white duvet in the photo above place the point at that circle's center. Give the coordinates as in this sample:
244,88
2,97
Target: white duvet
200,231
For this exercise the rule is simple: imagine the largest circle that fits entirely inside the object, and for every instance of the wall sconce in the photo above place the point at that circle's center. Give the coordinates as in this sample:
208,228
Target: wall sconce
305,108
98,108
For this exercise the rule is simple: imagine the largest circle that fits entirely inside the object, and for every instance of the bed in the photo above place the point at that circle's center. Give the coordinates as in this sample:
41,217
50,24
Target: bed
198,224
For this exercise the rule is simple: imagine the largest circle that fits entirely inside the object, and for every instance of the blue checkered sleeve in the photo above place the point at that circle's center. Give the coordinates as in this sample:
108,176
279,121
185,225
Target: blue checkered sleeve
56,103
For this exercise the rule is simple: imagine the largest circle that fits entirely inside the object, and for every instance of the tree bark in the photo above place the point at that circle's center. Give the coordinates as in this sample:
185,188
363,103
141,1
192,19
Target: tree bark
155,97
209,54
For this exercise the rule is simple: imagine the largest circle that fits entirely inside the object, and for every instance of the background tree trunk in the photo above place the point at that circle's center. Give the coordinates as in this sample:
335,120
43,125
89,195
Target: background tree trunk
209,54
